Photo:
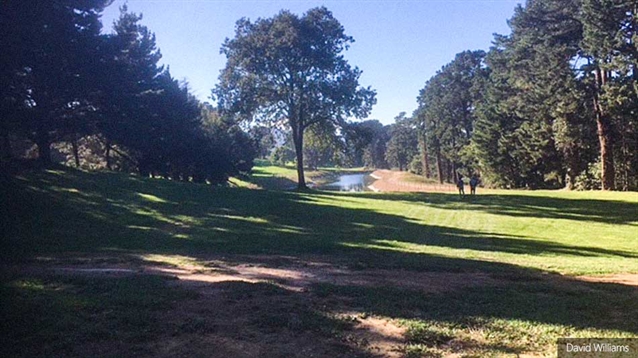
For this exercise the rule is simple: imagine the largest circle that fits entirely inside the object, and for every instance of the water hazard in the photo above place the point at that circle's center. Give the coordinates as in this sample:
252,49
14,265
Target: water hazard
351,182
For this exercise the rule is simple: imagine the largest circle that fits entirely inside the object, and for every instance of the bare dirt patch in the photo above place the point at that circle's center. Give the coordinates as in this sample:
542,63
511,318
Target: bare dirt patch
265,306
300,275
629,279
379,335
393,181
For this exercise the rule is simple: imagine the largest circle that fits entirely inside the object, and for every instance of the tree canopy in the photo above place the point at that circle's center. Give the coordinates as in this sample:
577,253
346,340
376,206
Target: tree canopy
104,99
291,69
547,99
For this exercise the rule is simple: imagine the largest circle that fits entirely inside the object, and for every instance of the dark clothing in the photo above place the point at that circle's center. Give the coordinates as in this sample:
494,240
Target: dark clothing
473,184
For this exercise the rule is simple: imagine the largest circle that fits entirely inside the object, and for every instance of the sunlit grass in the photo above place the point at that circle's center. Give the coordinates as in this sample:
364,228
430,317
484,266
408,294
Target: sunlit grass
566,232
532,242
152,198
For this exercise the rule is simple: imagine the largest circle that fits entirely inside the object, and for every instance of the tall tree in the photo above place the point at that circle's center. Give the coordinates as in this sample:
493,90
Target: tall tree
130,81
610,32
358,137
529,95
264,139
374,152
50,47
323,146
292,68
402,146
446,112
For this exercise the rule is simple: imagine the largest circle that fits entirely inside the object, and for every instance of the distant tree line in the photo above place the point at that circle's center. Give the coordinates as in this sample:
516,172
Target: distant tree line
553,104
103,100
355,144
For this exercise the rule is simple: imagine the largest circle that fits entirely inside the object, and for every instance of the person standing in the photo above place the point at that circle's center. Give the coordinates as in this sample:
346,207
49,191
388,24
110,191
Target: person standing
473,183
461,185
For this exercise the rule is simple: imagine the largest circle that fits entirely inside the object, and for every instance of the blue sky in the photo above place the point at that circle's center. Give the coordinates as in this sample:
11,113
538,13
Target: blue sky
398,45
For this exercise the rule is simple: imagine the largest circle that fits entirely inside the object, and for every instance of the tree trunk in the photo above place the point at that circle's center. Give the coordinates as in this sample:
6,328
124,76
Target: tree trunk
606,155
604,136
424,157
439,165
455,175
44,147
297,138
76,153
570,179
107,154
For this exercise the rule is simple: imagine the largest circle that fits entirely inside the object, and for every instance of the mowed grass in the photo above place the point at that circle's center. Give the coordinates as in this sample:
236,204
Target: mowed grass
532,243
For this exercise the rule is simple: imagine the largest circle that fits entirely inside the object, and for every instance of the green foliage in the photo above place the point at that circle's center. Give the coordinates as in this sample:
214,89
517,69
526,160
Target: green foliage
557,92
361,138
290,69
402,146
102,101
589,179
234,149
283,155
446,117
264,139
47,68
374,152
609,44
416,166
322,146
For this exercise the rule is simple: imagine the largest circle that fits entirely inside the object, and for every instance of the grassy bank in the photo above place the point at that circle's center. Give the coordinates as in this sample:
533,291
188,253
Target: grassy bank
520,253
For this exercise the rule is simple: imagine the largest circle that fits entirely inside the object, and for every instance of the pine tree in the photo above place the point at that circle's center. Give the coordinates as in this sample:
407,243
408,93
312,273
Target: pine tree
46,74
609,43
446,112
402,146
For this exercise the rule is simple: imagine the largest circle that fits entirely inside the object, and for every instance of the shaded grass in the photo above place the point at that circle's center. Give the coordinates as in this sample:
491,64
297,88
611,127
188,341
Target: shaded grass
516,237
564,232
51,315
76,316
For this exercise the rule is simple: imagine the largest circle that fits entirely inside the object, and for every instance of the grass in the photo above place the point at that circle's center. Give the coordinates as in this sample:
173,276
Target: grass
531,242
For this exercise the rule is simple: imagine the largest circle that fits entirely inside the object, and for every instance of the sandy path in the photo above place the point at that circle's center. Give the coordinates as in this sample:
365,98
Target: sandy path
393,181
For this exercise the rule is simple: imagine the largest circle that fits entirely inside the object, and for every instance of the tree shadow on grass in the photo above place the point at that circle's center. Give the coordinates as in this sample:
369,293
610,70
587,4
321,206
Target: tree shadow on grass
72,212
76,211
591,210
148,315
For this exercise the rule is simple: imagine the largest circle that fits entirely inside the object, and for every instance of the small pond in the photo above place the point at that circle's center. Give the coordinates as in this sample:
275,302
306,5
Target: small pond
350,182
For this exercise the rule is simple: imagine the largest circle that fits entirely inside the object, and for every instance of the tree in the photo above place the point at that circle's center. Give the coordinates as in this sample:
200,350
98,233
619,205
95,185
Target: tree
531,116
402,146
264,139
322,145
48,50
446,114
164,129
237,148
359,138
290,68
610,33
130,81
568,70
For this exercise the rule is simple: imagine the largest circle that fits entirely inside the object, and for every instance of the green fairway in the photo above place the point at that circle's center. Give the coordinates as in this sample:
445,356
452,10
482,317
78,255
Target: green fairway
525,248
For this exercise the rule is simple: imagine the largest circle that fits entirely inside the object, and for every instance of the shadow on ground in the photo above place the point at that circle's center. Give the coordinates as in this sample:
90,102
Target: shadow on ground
69,213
